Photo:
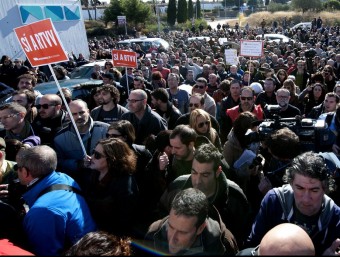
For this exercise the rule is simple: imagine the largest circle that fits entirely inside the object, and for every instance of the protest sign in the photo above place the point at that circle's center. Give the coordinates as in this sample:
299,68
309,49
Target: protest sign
122,58
41,43
251,48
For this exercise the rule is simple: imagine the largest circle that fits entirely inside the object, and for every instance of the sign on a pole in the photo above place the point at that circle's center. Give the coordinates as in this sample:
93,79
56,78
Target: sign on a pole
251,48
121,20
41,43
123,58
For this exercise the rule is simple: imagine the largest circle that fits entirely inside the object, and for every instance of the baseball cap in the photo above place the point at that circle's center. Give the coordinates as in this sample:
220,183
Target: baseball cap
2,144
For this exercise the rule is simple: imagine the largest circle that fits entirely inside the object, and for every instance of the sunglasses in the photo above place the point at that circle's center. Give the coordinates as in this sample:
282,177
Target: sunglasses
108,135
200,87
201,124
98,155
44,106
247,98
196,105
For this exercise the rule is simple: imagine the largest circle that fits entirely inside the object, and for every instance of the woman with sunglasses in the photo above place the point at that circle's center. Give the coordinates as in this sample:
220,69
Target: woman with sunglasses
201,123
110,187
107,66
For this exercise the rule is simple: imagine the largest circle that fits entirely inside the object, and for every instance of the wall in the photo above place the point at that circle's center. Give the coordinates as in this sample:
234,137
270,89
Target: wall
67,21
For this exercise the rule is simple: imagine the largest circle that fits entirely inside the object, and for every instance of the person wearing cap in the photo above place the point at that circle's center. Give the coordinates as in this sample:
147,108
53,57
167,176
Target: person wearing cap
302,201
160,67
12,117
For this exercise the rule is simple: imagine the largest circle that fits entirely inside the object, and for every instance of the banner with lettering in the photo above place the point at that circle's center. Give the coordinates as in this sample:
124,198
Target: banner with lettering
122,58
41,43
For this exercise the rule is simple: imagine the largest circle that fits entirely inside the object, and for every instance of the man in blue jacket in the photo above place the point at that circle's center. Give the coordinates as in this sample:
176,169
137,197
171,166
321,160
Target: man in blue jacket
303,201
56,218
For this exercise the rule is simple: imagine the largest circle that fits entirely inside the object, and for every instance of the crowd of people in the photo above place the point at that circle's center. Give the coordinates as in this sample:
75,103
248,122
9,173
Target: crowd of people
167,157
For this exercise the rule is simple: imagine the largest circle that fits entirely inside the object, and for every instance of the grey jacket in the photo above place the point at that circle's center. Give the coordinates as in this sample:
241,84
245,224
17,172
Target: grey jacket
68,148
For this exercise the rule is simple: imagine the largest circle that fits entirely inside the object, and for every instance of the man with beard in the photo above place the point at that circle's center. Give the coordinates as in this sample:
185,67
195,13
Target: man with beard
51,118
26,98
70,154
109,109
286,110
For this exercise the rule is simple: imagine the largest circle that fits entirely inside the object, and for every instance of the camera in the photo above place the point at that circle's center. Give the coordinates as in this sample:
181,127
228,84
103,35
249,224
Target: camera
313,134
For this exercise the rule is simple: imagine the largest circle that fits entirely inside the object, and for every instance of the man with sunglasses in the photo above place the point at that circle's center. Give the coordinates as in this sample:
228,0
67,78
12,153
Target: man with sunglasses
201,87
50,119
247,103
71,158
145,121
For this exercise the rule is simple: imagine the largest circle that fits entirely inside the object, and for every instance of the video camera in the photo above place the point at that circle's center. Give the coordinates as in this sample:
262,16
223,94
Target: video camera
313,134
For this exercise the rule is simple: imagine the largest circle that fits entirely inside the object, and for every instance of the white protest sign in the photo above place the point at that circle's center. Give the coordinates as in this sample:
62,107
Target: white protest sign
231,56
251,48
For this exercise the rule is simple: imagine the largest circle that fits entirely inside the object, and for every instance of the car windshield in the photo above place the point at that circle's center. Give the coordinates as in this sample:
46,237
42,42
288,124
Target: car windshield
81,72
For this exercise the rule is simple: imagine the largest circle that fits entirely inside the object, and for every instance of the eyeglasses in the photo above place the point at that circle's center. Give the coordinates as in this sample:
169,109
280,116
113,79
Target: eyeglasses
98,155
201,124
195,105
200,87
247,98
108,135
134,100
8,116
44,106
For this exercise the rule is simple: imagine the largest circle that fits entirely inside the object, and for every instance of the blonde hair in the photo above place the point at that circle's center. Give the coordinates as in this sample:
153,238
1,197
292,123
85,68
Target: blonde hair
212,133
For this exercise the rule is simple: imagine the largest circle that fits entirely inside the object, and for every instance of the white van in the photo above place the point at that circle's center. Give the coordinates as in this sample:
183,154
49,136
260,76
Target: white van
145,43
302,25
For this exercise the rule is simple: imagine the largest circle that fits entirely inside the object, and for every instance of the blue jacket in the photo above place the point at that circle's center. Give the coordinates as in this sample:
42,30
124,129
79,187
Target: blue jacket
278,207
56,219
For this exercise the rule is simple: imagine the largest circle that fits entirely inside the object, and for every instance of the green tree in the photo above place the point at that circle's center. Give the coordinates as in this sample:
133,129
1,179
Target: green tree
190,10
171,12
252,2
332,5
136,11
198,9
112,11
182,12
305,5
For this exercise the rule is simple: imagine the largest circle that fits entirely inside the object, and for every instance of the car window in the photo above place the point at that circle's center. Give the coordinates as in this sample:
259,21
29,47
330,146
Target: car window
81,72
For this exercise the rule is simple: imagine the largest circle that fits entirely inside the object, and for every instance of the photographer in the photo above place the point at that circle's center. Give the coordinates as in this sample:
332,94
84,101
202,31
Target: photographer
278,150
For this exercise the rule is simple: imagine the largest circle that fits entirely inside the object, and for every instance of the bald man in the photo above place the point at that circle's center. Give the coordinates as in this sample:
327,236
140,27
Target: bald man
283,239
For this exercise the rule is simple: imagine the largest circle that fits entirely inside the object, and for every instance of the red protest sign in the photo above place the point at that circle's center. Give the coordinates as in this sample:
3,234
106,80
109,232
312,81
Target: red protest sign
123,58
41,43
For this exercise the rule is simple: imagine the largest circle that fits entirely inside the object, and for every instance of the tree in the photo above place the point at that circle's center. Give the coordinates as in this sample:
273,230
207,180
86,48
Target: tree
252,2
305,5
198,10
171,12
190,10
332,5
136,11
112,11
141,11
182,12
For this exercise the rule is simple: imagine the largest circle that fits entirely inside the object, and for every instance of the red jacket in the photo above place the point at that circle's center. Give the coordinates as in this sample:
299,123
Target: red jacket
234,112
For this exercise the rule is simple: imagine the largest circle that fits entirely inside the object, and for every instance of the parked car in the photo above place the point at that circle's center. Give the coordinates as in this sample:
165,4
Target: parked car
146,43
275,37
302,25
85,71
